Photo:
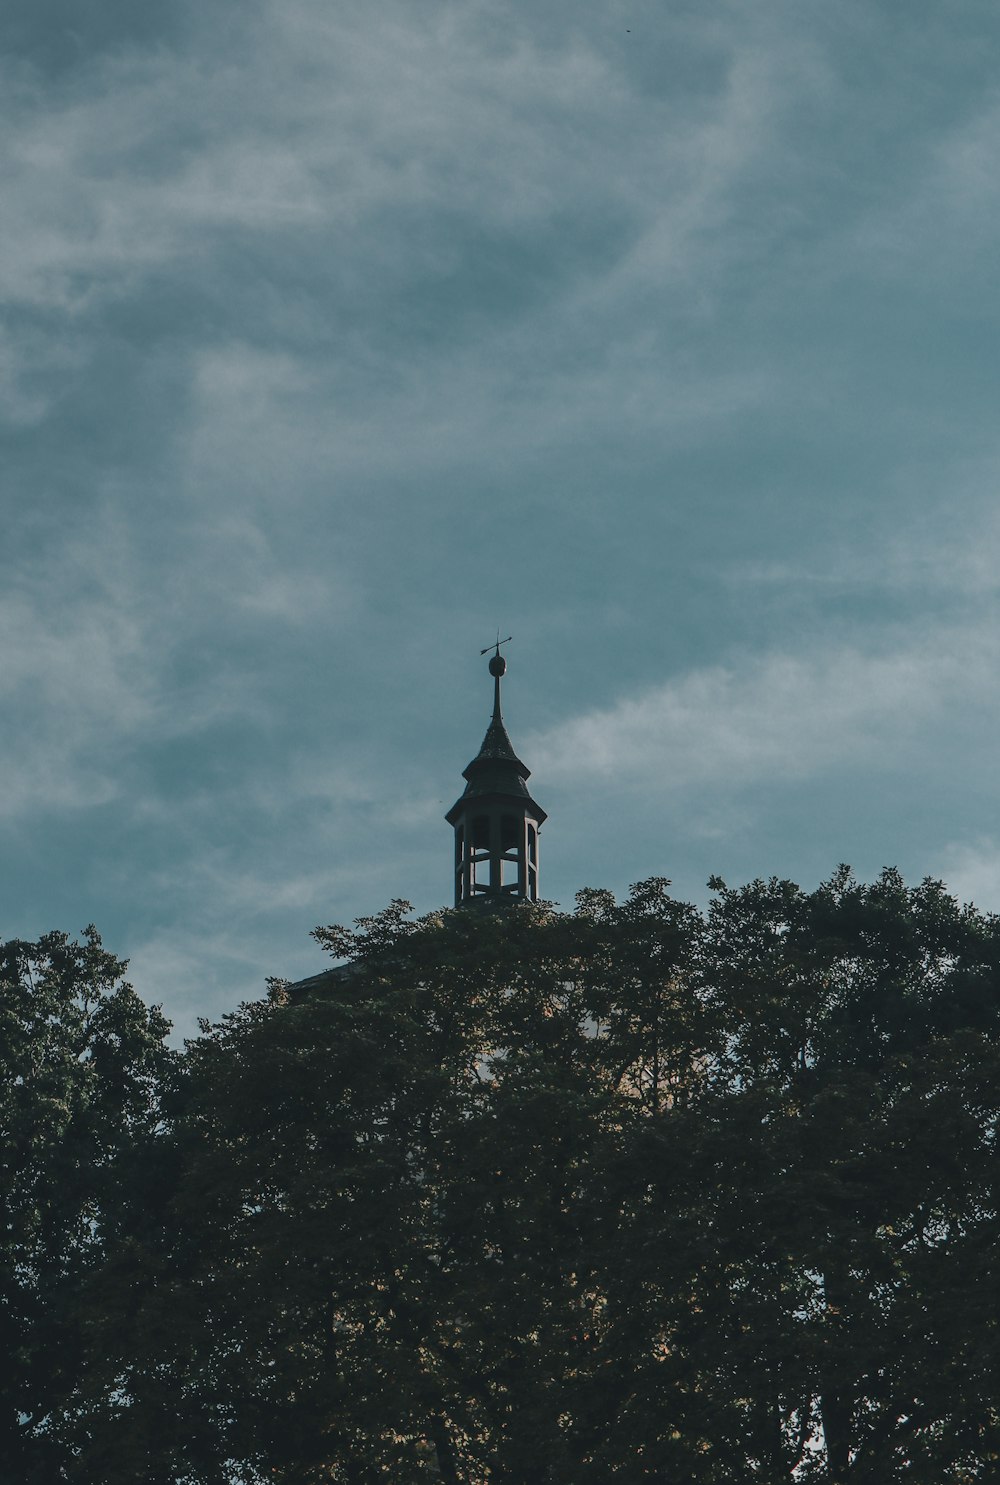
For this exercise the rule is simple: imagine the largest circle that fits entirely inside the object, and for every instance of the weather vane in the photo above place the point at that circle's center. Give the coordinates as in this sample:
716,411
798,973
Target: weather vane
496,644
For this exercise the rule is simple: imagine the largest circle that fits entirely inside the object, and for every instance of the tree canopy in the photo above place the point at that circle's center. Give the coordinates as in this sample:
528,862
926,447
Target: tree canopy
82,1065
635,1193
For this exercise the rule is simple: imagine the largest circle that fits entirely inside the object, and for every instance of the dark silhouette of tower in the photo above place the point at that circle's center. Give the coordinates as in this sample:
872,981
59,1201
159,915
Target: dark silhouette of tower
496,821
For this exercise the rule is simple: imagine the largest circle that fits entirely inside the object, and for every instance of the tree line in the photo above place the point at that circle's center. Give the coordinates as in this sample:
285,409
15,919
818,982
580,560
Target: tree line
637,1193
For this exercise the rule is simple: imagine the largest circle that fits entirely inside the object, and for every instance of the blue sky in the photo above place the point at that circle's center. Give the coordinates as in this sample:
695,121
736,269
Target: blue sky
663,335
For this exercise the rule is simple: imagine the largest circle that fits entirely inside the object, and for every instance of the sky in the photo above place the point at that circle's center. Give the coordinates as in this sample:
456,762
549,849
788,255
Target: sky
661,335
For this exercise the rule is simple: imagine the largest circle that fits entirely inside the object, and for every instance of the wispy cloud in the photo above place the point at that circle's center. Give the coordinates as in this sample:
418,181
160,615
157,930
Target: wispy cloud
949,547
192,973
333,332
971,870
777,716
942,217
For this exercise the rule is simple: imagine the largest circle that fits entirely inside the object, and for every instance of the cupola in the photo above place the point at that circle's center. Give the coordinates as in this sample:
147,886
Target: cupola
496,821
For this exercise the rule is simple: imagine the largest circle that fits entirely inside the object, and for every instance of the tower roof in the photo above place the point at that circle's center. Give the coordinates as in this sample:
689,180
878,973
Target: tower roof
496,768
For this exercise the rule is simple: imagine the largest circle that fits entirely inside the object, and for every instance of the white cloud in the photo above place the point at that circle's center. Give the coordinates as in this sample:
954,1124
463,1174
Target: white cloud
935,219
332,118
776,716
75,678
971,871
91,628
952,550
194,973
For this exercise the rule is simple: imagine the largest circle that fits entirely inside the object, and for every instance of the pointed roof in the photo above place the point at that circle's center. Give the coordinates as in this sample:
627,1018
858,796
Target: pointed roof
496,768
497,744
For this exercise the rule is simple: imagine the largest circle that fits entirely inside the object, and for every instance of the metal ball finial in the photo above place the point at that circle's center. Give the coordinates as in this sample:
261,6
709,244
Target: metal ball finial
498,664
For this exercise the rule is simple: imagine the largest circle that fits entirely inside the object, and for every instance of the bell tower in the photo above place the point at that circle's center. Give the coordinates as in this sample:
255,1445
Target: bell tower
496,821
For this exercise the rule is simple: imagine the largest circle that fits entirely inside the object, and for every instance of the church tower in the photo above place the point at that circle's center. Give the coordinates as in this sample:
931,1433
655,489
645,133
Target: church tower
496,821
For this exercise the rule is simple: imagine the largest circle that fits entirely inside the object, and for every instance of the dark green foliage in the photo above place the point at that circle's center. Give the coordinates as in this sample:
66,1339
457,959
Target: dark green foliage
81,1065
628,1195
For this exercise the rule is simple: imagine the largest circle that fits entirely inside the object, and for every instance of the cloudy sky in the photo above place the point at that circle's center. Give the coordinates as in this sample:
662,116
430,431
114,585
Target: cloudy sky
661,333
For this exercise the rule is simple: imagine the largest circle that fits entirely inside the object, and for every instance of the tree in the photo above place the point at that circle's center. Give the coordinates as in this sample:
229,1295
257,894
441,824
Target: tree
863,1078
633,1194
81,1060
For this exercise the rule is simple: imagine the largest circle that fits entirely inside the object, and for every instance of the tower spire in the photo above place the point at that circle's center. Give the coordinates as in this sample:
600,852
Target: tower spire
498,668
496,821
